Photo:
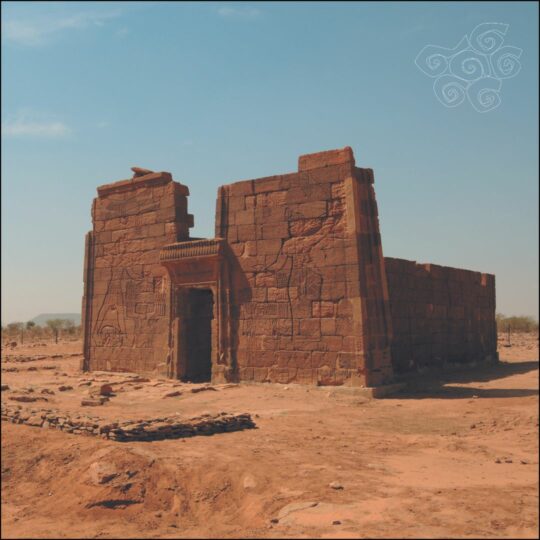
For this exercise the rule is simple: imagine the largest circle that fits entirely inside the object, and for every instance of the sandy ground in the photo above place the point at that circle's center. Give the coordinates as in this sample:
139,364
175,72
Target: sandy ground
451,459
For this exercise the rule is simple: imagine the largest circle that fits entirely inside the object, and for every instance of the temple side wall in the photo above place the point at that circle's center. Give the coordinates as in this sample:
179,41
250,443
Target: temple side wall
440,315
127,293
307,275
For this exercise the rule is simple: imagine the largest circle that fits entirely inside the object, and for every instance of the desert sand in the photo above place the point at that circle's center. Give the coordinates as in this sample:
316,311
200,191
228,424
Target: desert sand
456,458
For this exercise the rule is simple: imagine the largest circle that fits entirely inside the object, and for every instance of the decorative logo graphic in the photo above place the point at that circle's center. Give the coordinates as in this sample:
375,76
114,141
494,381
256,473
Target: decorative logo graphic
474,69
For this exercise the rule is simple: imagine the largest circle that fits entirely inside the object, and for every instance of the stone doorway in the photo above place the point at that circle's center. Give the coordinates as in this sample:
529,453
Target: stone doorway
196,355
200,332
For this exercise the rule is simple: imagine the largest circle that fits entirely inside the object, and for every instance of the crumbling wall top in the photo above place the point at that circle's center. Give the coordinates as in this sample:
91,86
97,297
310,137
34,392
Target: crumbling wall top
141,178
326,159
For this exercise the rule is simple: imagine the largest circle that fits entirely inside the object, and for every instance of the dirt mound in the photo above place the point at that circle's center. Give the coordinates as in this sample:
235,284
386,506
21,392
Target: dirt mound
132,486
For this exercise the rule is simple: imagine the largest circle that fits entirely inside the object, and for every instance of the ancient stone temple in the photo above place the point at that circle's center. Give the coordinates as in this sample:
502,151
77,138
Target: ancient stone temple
293,288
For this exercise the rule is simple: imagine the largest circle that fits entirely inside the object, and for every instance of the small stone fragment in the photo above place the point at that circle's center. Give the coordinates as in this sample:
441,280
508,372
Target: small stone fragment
92,402
102,472
105,390
173,394
139,171
249,482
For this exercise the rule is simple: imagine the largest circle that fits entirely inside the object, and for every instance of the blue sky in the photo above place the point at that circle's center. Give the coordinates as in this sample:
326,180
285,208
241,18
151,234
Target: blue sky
216,93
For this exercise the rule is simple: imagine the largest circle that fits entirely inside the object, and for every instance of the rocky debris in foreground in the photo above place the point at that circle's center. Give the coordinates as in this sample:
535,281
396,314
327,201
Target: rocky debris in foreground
154,429
94,401
31,368
36,357
27,399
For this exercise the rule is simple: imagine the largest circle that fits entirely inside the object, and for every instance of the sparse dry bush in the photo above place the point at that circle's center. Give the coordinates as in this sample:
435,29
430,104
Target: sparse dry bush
516,324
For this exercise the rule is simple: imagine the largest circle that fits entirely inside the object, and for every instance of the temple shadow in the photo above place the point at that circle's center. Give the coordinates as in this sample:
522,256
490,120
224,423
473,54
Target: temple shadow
442,386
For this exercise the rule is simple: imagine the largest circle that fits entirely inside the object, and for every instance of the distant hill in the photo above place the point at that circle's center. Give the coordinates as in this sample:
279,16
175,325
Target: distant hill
42,319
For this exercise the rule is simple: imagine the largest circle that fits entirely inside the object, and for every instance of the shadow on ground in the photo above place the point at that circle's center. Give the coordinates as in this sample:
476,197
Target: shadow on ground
432,386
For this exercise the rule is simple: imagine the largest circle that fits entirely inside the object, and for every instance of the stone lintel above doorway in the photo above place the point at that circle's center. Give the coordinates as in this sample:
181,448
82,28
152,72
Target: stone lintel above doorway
194,261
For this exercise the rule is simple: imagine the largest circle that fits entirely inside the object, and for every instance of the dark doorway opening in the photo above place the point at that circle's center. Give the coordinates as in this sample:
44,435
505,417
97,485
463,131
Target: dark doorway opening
198,336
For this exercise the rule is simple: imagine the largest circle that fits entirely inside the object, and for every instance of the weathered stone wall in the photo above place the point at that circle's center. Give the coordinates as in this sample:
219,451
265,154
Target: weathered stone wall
440,315
298,283
127,294
309,299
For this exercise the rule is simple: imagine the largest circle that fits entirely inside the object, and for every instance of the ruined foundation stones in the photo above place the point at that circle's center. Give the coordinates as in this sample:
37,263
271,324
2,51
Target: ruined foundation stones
155,429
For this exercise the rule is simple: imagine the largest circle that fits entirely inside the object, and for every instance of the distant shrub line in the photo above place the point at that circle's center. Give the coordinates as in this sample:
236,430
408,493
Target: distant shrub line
30,331
516,324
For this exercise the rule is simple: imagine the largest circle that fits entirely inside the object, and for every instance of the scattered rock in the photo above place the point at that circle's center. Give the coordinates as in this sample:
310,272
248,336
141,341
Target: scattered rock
173,394
88,402
249,482
202,389
4,387
47,391
105,390
27,399
65,388
335,485
336,522
101,472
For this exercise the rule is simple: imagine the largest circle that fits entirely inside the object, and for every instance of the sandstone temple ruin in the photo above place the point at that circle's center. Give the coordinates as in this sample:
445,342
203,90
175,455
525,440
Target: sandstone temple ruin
293,288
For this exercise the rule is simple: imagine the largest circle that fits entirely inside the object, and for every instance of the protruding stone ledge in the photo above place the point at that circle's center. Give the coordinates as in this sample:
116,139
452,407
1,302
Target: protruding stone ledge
154,429
192,249
152,179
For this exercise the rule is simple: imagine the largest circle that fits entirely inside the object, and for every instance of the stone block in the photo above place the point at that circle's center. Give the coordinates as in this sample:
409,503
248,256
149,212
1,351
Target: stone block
325,159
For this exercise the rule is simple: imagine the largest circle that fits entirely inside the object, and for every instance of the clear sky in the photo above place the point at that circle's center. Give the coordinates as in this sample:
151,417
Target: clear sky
216,93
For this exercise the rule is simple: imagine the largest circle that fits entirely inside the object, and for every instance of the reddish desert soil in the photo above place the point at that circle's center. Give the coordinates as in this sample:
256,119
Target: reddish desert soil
451,459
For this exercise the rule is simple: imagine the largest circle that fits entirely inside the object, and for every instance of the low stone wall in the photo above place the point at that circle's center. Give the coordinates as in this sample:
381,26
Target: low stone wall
441,316
141,430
